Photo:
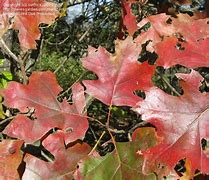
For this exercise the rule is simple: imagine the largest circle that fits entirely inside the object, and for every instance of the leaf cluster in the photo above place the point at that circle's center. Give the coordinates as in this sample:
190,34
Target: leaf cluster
134,103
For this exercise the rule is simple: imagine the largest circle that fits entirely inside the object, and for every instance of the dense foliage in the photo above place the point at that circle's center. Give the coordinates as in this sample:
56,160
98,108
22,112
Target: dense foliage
132,100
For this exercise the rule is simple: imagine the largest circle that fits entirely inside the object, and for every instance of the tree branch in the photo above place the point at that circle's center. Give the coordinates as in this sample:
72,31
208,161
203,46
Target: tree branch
7,51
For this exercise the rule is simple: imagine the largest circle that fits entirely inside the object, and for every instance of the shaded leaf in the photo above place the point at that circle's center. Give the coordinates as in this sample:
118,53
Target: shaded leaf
5,77
124,163
64,164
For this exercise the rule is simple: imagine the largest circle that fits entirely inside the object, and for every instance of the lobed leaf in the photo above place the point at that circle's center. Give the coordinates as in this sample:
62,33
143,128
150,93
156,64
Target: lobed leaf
40,95
26,16
64,164
129,19
125,162
181,124
188,54
162,26
119,74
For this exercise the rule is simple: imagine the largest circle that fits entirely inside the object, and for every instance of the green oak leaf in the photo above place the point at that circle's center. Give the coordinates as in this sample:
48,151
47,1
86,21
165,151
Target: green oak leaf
124,163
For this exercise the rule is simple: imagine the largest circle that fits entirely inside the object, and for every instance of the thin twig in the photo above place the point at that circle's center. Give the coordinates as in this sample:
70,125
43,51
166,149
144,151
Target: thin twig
23,71
64,61
89,100
71,51
168,84
93,119
108,117
138,125
7,119
84,34
8,51
60,43
92,131
103,133
116,149
68,89
40,49
116,131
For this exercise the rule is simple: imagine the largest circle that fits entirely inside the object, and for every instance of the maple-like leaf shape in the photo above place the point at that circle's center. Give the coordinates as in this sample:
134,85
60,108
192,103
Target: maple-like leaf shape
119,74
65,160
163,25
123,163
192,30
41,94
10,159
171,52
181,122
27,23
129,19
159,27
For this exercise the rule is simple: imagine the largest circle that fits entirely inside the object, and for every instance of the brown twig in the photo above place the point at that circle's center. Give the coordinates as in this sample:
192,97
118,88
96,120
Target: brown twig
103,133
23,71
7,51
71,51
64,61
6,120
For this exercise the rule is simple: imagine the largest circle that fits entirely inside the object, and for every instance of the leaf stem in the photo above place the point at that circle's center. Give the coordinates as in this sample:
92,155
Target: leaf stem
103,133
108,117
7,119
139,125
8,51
168,84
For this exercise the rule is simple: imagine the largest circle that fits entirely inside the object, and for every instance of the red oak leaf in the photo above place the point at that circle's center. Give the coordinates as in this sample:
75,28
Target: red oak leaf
159,27
163,25
27,16
129,19
119,74
182,123
10,159
41,95
172,52
192,30
65,160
